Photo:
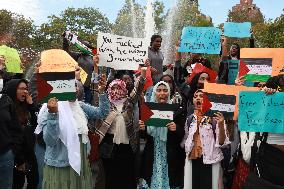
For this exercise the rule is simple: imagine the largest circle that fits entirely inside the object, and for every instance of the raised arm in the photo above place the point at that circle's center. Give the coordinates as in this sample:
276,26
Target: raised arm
136,92
50,124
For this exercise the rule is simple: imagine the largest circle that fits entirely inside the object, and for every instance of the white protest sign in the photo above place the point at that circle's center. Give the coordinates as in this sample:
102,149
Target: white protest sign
121,53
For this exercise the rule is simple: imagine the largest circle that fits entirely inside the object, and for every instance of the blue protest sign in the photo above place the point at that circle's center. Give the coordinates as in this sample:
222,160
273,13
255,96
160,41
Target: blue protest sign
201,40
239,30
259,112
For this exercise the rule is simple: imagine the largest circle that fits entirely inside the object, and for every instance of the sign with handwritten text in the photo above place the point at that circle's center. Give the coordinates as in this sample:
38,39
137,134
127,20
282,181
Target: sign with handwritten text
121,53
259,112
239,30
201,40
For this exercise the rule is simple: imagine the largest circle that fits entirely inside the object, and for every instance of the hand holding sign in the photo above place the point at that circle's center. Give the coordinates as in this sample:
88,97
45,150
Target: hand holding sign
172,126
142,126
52,105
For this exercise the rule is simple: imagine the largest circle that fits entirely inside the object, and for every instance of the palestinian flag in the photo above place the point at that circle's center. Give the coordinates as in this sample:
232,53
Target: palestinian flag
260,69
226,96
74,39
157,114
60,85
213,103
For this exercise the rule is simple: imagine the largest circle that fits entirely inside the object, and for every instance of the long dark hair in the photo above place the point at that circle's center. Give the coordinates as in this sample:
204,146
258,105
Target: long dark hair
194,86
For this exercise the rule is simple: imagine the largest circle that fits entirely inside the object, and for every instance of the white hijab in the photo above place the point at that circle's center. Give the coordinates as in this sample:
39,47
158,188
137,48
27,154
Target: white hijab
162,132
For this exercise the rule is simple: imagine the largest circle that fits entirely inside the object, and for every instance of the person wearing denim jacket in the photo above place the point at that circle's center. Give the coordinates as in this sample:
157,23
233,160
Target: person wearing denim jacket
63,168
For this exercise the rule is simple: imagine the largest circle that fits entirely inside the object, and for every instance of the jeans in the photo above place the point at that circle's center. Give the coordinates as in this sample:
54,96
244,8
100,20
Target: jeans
39,152
6,170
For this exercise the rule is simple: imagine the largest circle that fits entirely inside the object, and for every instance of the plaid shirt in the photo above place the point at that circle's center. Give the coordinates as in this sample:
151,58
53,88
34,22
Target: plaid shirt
128,114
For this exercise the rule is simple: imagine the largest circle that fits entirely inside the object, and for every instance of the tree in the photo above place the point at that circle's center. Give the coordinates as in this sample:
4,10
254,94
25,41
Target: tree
187,14
130,20
159,15
271,33
85,22
245,14
17,31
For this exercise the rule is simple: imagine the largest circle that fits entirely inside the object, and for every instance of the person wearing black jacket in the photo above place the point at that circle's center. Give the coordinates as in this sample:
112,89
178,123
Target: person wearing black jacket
233,54
11,138
26,119
85,61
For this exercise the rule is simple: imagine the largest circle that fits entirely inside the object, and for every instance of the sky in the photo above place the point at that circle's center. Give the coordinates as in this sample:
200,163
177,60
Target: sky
39,10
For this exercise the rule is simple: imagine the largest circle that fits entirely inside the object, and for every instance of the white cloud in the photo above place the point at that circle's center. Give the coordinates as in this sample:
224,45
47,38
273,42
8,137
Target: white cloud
28,8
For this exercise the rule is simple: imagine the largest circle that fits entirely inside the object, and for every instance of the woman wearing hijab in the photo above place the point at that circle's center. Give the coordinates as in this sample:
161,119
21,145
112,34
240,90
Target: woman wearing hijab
65,133
119,136
158,169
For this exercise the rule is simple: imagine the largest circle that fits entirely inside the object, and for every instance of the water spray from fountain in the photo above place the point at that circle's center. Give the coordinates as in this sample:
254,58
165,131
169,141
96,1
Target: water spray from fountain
168,43
150,26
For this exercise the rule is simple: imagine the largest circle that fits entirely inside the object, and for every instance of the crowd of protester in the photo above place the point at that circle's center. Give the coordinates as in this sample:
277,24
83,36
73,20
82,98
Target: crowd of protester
99,141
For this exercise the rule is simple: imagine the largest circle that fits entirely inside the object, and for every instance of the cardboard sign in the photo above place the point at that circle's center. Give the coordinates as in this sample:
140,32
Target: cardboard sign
56,60
238,30
275,53
121,53
56,76
259,112
201,40
230,90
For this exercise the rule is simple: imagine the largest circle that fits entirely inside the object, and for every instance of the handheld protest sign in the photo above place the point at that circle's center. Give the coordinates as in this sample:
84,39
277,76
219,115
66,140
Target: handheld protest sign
56,77
260,69
259,112
12,59
157,114
276,54
120,52
238,30
201,40
224,97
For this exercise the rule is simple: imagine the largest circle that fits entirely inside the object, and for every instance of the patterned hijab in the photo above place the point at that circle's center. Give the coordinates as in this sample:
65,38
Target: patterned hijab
117,94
